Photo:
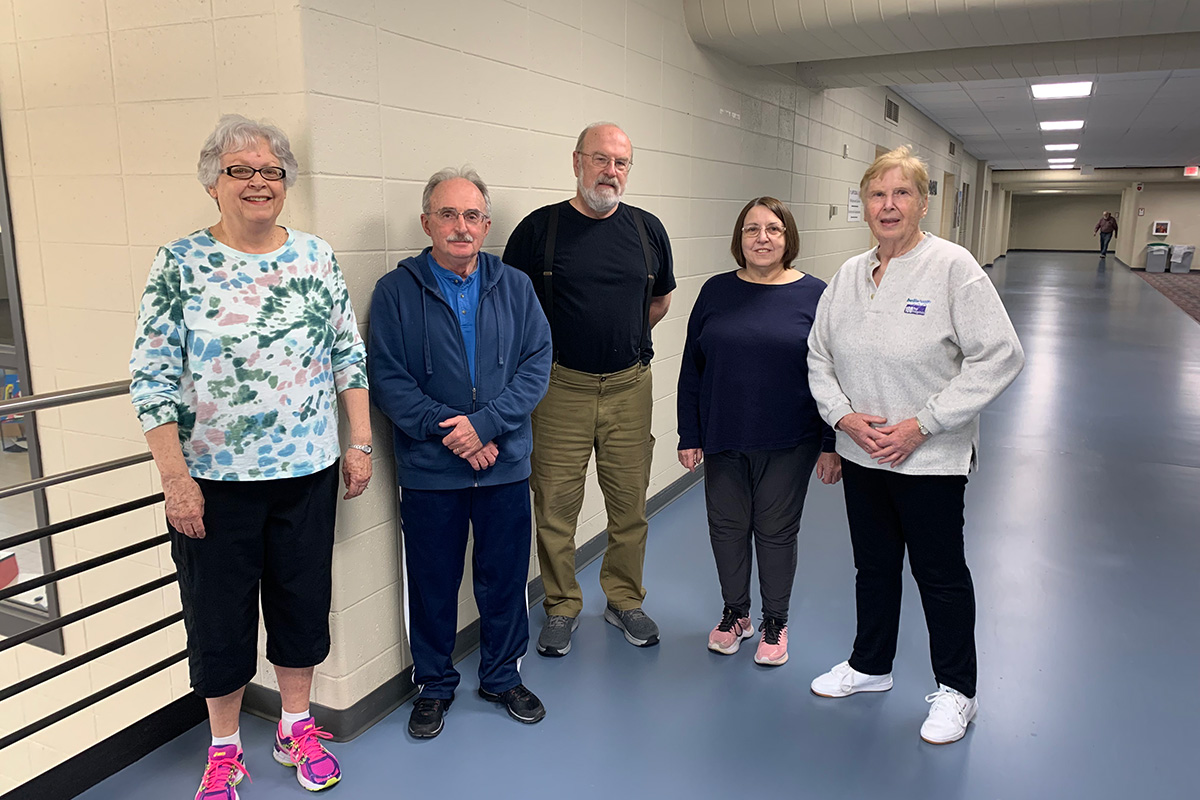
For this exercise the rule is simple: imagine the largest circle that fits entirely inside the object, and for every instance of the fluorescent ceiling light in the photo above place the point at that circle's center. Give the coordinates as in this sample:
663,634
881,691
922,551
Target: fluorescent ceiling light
1059,91
1049,191
1062,125
1061,160
1062,166
1062,147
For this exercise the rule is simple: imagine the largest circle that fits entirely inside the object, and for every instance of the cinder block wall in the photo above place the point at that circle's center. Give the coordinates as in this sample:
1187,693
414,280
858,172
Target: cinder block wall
104,106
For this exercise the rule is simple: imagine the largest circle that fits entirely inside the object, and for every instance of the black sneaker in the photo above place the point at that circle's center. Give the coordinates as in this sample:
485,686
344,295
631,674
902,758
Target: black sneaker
522,704
427,718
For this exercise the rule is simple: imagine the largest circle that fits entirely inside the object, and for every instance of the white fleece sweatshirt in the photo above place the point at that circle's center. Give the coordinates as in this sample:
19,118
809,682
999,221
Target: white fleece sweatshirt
933,341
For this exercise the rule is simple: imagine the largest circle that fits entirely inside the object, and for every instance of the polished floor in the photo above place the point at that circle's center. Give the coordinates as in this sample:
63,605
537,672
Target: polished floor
1083,531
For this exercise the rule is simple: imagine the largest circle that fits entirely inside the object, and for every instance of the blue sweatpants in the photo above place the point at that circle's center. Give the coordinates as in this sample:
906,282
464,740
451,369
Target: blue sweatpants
434,526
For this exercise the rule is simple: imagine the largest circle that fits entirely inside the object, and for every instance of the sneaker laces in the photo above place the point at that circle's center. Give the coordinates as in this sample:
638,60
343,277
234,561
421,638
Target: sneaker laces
308,744
729,618
945,702
219,772
771,629
518,692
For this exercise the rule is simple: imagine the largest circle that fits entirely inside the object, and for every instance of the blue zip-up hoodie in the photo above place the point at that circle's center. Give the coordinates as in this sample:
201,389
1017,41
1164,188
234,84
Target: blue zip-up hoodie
419,375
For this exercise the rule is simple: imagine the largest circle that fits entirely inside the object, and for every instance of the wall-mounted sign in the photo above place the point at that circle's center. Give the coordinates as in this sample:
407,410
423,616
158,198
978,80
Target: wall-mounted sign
1192,171
1139,187
933,187
854,211
1141,212
1161,227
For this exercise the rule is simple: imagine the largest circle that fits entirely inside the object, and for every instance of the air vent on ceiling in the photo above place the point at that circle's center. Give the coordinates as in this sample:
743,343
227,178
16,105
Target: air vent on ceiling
952,148
891,111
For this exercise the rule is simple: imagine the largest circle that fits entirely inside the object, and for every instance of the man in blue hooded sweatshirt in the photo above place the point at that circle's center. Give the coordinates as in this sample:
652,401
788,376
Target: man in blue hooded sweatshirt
460,356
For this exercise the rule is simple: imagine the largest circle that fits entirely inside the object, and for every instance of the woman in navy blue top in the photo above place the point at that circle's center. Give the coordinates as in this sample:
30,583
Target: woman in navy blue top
746,411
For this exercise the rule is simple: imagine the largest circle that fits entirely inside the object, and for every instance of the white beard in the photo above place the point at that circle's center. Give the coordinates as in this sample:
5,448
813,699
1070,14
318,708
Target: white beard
600,202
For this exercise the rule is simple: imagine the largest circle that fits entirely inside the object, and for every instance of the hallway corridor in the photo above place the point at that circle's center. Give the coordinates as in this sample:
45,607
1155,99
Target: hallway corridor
1082,535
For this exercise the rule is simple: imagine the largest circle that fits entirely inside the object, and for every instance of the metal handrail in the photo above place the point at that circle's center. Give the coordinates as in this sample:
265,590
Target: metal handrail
83,566
40,402
80,521
85,612
72,475
24,405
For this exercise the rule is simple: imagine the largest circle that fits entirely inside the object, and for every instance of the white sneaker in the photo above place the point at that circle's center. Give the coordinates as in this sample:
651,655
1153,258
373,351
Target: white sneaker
843,681
949,716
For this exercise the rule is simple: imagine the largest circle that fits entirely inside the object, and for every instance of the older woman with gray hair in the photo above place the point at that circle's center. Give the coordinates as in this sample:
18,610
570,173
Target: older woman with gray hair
910,343
245,342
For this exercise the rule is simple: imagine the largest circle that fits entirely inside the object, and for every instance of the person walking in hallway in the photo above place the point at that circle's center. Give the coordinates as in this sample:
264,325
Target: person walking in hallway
911,342
745,411
603,272
460,355
1107,228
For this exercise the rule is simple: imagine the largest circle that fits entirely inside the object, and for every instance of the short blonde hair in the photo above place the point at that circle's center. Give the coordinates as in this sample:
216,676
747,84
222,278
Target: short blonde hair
910,166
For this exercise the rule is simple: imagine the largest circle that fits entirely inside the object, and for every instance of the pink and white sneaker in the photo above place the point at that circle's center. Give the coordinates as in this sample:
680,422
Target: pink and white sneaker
225,769
316,768
727,637
772,647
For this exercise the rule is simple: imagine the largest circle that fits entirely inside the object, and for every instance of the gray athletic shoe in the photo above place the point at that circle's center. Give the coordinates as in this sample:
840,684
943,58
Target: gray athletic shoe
638,628
555,639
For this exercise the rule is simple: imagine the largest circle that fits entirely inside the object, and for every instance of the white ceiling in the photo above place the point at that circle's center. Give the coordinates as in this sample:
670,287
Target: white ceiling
1133,119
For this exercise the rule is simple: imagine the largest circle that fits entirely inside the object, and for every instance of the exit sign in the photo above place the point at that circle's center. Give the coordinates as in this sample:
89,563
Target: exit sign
1191,172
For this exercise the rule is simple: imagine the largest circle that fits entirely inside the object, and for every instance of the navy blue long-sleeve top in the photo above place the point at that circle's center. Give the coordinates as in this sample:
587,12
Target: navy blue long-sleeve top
743,384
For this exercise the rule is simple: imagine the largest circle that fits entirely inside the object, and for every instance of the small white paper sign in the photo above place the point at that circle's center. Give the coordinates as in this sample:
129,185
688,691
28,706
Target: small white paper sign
854,211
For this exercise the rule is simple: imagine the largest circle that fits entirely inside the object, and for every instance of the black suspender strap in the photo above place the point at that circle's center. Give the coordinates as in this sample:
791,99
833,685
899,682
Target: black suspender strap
641,228
548,270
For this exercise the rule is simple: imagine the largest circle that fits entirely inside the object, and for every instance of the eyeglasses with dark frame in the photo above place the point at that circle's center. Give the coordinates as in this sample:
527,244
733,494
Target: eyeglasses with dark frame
244,173
601,161
472,216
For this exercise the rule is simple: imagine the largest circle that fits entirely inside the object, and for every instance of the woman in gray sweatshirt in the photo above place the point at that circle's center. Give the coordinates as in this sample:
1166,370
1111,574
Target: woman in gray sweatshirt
909,344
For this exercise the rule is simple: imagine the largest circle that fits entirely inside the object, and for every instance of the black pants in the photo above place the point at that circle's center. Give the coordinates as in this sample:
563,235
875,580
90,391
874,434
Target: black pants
1104,238
755,499
889,512
273,534
435,524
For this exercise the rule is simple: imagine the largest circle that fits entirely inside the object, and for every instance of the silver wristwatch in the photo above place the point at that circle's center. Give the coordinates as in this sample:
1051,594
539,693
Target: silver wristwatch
366,448
921,427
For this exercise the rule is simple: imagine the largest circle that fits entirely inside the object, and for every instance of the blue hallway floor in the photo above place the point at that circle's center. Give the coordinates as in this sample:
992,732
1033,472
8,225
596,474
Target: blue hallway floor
1082,531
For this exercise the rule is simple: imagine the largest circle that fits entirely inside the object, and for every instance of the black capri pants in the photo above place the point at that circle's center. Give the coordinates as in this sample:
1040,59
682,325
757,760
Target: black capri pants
274,534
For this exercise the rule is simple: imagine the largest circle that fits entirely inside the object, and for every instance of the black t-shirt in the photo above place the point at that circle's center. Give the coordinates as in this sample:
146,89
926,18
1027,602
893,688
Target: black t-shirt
599,283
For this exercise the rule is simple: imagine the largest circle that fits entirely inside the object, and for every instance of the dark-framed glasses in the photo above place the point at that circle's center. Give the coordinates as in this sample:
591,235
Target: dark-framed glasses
601,161
773,230
449,216
244,173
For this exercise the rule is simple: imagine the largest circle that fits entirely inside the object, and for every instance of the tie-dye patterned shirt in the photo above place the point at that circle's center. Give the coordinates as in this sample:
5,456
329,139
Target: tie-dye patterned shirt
247,352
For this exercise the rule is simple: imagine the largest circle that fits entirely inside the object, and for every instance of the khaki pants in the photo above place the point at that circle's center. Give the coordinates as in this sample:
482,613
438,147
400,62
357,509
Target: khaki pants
610,413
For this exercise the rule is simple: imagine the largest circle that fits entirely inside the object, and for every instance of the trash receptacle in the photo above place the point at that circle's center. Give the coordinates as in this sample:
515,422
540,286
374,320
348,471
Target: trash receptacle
1181,257
1156,256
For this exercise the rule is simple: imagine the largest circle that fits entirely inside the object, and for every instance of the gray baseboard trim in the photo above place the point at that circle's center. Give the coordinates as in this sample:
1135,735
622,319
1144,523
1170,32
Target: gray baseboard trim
348,723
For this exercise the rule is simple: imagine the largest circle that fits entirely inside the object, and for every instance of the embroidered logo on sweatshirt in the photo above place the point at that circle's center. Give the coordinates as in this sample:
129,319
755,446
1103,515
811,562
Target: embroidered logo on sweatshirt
914,306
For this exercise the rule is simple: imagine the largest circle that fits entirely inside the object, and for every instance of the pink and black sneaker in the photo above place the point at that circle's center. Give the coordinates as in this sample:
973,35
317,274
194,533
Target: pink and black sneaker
727,637
224,771
316,768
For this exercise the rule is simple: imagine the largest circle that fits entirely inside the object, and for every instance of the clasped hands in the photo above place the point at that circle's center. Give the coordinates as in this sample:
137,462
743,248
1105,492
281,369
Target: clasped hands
888,444
464,442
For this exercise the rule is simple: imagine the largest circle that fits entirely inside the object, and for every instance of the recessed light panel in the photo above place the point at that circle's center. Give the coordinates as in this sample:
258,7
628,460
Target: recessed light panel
1061,160
1062,125
1062,166
1060,91
1062,147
